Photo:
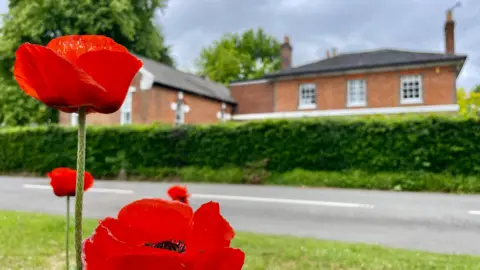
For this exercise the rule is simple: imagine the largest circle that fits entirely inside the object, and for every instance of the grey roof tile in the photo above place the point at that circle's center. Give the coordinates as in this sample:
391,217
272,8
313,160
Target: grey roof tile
370,59
168,76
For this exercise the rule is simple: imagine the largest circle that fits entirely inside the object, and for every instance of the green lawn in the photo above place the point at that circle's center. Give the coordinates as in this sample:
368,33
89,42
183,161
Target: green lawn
35,241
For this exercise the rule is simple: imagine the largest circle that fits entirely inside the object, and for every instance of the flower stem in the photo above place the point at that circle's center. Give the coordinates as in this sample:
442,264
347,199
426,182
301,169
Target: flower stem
67,235
79,191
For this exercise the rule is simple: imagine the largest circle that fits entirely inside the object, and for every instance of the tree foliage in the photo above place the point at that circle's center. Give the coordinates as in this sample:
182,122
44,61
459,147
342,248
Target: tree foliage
248,55
469,103
129,22
476,89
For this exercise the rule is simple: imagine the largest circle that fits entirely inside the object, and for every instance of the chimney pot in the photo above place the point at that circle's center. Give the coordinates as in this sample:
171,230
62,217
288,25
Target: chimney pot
328,53
449,15
286,40
334,52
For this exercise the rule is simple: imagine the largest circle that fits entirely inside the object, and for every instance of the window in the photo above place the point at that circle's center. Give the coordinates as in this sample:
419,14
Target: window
411,89
307,96
126,110
74,119
356,93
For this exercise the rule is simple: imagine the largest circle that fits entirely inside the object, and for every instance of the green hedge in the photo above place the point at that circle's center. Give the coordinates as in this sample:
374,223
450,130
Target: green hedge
430,144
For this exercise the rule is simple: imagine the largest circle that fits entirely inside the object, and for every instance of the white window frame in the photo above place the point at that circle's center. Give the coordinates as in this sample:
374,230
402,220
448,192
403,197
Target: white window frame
304,99
411,79
354,89
126,109
74,119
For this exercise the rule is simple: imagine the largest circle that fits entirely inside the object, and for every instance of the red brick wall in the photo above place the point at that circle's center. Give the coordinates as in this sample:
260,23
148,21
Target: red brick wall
202,110
383,89
253,98
154,106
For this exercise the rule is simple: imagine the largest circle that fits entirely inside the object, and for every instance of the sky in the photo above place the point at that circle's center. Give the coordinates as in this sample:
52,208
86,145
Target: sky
317,25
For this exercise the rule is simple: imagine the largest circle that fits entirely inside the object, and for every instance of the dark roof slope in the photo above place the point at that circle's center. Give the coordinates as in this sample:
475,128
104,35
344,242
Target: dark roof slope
170,77
371,59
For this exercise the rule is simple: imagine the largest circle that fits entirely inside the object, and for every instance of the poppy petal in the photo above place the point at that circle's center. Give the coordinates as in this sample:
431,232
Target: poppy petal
73,46
64,181
179,193
87,181
52,79
124,233
162,220
210,230
114,70
221,259
112,238
100,246
160,261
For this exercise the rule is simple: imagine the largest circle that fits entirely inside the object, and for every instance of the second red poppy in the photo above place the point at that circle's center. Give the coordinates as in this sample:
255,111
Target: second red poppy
63,181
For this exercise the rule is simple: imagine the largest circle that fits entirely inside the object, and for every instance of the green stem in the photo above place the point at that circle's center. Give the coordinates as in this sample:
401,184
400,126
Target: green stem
67,235
79,191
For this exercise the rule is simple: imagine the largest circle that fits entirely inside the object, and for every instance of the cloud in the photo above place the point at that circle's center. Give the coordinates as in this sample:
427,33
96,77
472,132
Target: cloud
314,26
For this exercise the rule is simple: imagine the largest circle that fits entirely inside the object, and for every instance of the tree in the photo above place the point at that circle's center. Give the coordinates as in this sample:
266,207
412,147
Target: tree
476,89
248,55
469,103
128,22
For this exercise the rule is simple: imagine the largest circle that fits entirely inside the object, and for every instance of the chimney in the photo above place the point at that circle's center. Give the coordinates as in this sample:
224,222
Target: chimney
286,53
449,33
334,52
328,53
450,30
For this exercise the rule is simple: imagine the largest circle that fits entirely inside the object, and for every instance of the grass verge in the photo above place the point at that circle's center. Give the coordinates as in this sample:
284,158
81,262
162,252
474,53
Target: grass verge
35,241
404,181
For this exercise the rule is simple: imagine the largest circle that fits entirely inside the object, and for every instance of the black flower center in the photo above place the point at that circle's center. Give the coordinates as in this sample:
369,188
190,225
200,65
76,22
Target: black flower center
177,246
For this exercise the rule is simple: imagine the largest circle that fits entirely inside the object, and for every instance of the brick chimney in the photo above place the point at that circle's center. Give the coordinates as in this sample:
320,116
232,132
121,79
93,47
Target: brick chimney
286,53
449,33
328,53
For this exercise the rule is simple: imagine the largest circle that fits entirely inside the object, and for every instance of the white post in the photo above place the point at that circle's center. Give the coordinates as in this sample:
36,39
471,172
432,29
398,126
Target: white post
180,109
222,114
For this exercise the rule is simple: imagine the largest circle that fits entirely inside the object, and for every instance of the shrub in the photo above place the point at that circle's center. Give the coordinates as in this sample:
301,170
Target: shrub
377,144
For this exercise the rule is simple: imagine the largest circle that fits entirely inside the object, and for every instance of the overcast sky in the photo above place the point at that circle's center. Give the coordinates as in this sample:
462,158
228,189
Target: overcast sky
315,25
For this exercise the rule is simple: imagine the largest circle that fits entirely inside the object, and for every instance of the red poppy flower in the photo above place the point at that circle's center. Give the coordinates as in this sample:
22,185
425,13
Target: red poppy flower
179,193
154,234
77,71
64,180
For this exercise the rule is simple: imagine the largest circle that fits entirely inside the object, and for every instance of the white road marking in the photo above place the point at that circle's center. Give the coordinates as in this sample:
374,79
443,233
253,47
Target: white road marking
110,190
97,190
230,197
37,186
474,212
285,201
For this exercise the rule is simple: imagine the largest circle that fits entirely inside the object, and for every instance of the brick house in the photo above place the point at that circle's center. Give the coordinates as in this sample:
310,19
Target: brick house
384,81
159,93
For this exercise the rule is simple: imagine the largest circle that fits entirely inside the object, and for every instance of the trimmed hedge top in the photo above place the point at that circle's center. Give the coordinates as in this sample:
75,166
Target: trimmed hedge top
436,144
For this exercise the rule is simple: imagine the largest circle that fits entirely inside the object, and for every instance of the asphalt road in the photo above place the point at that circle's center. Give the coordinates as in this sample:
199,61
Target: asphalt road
420,221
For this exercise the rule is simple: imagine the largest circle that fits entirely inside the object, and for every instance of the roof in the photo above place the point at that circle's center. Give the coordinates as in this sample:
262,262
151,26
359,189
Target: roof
370,59
170,77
